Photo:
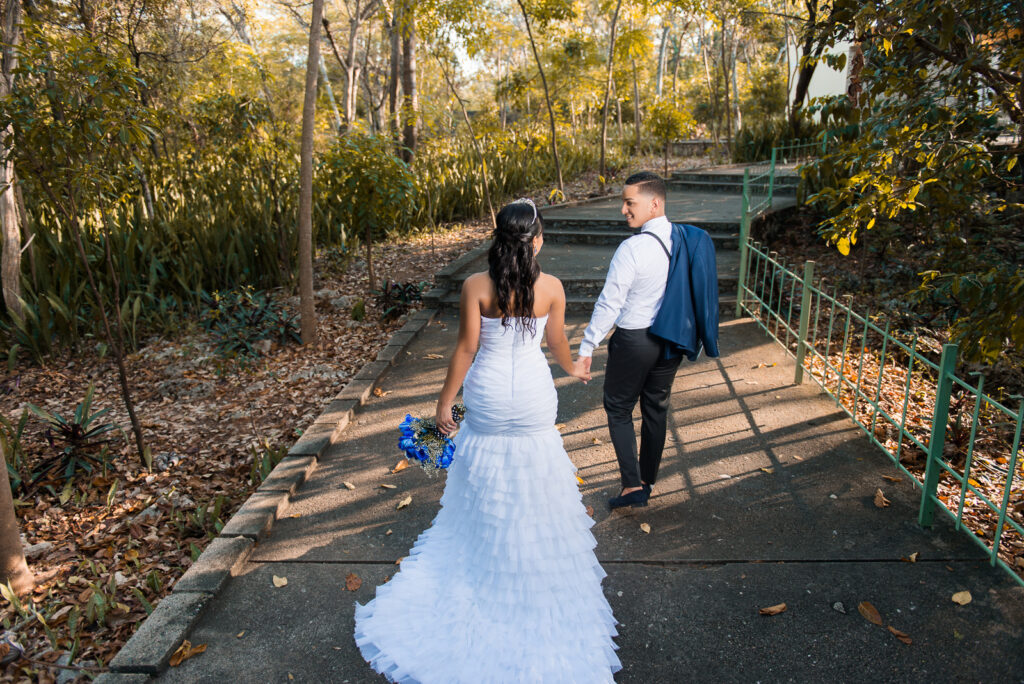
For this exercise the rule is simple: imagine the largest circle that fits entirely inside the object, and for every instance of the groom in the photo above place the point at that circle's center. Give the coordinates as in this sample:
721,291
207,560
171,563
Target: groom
642,366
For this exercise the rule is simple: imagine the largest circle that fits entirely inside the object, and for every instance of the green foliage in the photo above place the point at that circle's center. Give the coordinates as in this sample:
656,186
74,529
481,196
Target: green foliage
75,437
376,189
450,179
983,309
264,458
755,140
358,312
394,299
926,163
239,318
10,442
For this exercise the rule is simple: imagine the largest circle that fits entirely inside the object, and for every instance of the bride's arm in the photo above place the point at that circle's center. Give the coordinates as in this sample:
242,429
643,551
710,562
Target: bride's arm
554,331
462,357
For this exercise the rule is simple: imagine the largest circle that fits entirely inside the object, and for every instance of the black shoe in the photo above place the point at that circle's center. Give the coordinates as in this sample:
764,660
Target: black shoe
637,499
647,488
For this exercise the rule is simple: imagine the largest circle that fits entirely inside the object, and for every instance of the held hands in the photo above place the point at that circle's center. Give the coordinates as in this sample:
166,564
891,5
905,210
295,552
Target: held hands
581,369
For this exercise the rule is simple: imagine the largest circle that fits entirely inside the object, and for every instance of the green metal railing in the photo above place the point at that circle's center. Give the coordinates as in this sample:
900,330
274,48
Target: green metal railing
904,394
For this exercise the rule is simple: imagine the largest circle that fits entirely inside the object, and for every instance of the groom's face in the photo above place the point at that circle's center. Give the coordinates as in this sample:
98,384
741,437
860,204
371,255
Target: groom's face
637,206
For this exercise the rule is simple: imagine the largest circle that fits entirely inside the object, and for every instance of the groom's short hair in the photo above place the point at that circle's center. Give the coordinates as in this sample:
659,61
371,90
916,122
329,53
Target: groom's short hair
650,184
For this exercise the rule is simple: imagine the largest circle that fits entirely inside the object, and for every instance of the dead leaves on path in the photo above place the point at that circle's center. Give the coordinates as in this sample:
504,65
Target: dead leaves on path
352,581
186,651
880,500
871,614
773,610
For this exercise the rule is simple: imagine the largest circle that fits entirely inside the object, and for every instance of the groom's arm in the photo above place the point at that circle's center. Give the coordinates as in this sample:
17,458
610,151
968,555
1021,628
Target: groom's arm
621,274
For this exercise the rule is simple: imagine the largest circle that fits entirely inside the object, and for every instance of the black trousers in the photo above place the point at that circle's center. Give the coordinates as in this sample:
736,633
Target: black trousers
638,370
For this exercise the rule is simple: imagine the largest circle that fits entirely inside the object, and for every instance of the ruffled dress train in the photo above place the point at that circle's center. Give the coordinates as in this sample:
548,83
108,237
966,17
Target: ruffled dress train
504,586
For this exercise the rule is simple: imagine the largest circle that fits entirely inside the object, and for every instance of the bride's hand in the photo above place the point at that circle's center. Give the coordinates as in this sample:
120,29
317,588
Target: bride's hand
443,417
581,369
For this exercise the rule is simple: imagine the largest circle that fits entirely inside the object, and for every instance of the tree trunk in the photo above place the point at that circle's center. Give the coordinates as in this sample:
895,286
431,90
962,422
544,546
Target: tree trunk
393,71
803,78
738,116
307,306
114,342
603,169
330,94
712,91
13,567
725,84
662,56
410,96
547,98
636,108
10,264
476,143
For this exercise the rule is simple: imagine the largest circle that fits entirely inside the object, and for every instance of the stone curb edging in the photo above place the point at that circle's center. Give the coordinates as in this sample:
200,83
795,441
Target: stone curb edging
149,650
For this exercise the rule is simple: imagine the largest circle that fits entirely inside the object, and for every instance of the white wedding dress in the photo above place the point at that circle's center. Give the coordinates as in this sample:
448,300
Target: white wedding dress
504,586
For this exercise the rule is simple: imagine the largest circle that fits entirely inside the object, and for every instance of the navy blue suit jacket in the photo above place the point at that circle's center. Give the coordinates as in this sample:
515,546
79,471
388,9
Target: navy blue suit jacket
688,317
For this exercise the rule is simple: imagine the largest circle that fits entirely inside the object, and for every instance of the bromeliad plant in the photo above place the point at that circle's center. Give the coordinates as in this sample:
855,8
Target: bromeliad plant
394,298
239,318
77,437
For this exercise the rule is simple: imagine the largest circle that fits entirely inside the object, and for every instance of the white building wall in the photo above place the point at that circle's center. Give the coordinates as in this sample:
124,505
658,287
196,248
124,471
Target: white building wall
826,81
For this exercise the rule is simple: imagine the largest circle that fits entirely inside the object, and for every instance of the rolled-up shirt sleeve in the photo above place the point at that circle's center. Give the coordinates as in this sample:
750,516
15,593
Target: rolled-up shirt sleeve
621,273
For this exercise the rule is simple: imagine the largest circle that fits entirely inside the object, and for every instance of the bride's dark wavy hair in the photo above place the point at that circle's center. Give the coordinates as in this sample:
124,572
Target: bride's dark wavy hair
512,264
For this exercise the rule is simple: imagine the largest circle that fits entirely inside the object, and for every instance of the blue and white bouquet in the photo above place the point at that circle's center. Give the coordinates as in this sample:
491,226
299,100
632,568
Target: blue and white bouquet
423,443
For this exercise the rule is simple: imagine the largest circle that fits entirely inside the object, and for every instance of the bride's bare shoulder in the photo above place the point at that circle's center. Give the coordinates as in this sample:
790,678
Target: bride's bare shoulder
478,282
549,283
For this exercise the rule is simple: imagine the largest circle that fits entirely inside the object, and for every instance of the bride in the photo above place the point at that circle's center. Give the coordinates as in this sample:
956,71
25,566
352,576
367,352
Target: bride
504,586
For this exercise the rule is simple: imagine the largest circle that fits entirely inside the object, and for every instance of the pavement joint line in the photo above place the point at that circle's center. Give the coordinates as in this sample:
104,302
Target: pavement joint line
661,561
186,607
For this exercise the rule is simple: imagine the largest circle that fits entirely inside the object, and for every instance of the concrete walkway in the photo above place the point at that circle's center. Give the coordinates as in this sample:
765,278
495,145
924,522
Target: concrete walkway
765,497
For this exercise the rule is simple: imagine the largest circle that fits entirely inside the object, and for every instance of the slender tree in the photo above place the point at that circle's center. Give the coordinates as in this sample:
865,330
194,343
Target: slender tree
306,304
13,567
544,83
10,271
603,167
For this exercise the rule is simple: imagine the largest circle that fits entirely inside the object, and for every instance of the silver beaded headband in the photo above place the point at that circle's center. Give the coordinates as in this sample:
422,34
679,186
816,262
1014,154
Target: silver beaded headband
527,200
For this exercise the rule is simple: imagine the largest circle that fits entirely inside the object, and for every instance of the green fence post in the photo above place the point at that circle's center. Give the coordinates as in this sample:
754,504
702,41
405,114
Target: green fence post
805,321
744,236
947,364
771,179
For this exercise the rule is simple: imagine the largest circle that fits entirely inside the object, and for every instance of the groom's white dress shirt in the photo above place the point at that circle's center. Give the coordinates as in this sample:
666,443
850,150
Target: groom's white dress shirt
634,287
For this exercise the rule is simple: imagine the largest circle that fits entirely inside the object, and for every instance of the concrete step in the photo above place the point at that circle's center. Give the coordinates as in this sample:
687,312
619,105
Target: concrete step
574,304
728,186
591,285
604,234
717,228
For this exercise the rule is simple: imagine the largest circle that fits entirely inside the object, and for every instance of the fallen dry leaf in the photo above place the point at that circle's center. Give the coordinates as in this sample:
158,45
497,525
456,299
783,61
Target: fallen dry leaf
348,485
870,613
559,426
403,503
902,636
913,557
352,581
645,528
388,533
186,651
962,597
595,440
400,466
280,581
590,511
434,356
389,486
768,470
378,392
773,610
880,500
579,480
890,478
240,634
